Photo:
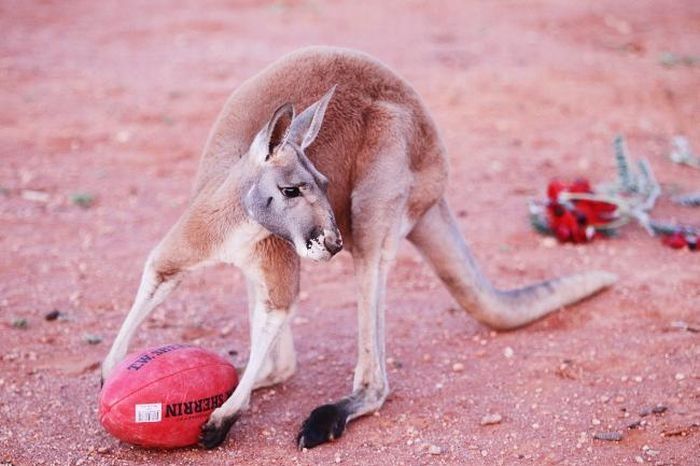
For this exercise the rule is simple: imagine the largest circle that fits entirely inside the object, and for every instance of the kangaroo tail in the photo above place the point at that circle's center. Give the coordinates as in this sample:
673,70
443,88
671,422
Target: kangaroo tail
437,237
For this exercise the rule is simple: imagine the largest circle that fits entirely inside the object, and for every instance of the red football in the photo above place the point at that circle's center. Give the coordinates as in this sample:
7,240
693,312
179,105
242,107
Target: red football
160,397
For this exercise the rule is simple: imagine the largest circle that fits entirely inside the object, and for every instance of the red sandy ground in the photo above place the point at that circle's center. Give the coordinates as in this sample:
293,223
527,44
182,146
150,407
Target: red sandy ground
115,98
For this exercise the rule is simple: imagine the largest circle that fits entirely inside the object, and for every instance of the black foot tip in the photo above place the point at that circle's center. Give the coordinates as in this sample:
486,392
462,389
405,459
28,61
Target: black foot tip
212,436
324,424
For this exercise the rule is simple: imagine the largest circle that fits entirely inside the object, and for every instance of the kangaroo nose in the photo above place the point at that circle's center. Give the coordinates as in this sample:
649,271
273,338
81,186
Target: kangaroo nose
333,243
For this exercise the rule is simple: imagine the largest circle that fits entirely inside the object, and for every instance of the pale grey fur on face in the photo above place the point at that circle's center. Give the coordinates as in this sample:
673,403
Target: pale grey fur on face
288,194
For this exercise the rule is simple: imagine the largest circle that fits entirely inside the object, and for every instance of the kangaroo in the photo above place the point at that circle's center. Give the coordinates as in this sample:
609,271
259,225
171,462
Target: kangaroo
360,168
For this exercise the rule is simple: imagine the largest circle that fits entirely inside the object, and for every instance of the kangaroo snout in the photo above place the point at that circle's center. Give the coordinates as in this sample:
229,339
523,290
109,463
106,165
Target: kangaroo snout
333,242
321,244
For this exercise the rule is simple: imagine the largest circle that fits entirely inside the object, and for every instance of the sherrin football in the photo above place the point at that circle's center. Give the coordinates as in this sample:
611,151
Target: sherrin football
160,397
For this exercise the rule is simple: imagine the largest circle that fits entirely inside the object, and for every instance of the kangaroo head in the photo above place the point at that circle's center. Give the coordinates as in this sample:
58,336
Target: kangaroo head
288,195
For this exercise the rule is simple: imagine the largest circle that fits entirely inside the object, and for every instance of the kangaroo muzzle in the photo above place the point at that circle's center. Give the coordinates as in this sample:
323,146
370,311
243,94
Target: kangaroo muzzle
333,242
321,244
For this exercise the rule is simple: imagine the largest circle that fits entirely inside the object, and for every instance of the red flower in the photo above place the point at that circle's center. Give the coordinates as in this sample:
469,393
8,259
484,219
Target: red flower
575,220
569,225
554,188
580,185
675,240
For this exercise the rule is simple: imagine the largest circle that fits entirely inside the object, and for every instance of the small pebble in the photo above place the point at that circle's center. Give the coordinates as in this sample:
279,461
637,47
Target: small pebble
53,315
491,419
659,409
103,450
457,367
680,376
92,339
608,436
508,352
20,322
635,424
434,450
549,242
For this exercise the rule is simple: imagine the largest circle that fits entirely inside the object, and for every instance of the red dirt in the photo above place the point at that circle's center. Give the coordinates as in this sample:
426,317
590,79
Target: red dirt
115,98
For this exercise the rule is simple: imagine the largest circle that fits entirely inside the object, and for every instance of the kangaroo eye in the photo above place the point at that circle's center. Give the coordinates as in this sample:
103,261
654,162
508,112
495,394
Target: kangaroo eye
290,192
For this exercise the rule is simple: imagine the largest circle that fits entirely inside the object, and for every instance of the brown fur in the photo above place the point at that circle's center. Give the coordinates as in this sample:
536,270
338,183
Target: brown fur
368,98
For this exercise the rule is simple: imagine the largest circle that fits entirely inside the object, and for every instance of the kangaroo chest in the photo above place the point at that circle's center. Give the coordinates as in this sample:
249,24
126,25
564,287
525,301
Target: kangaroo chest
239,244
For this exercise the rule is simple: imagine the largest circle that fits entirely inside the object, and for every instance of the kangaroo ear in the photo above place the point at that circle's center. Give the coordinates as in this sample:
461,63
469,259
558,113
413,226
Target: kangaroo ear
272,134
305,127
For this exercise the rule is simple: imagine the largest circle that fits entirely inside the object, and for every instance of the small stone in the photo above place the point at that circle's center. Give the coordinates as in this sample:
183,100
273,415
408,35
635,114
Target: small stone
508,352
226,329
535,426
53,315
457,367
595,422
337,459
92,339
680,376
659,409
608,436
35,196
103,450
434,450
549,242
84,200
123,136
491,419
639,459
635,424
20,322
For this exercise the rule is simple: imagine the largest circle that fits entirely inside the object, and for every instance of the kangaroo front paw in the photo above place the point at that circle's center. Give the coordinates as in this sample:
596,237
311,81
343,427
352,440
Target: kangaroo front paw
214,433
324,424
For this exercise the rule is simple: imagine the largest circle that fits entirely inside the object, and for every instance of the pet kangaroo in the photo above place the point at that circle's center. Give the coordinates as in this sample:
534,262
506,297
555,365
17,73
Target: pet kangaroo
360,167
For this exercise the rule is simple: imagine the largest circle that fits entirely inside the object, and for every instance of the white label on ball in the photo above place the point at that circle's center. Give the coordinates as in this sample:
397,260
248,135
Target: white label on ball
150,412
